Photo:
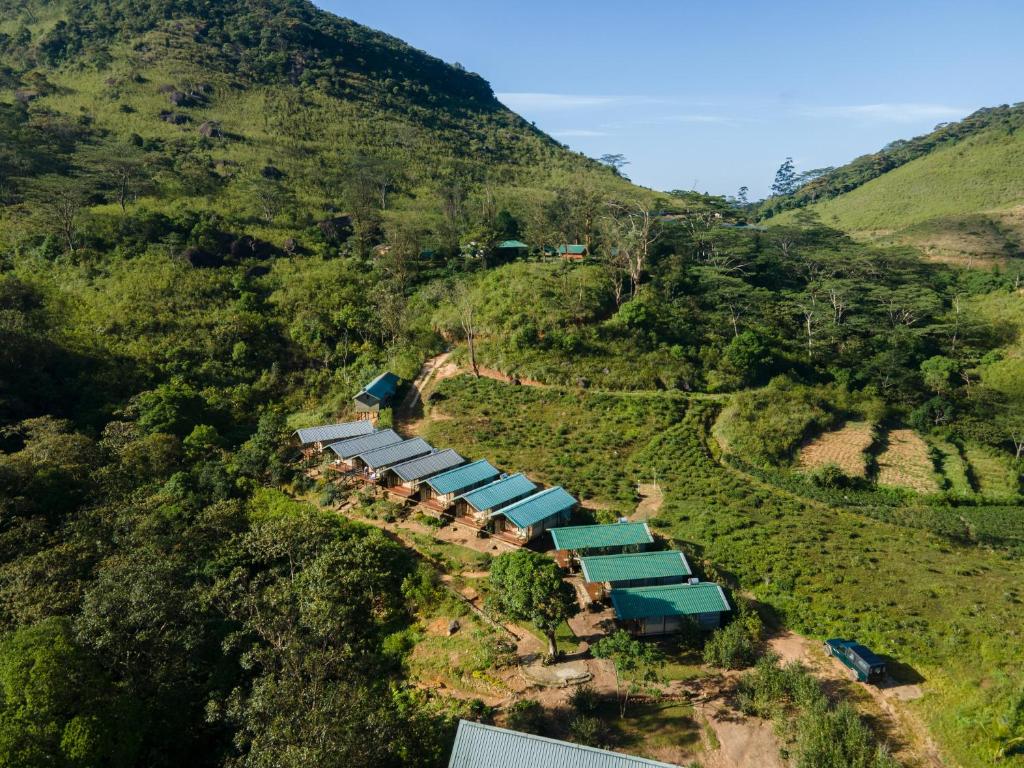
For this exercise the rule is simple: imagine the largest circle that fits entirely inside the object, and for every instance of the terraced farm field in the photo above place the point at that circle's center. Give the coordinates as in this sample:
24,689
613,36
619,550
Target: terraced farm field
905,462
846,448
995,477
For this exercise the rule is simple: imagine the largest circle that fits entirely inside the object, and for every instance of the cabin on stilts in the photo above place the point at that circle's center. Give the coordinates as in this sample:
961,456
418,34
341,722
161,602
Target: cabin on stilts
575,541
404,481
439,492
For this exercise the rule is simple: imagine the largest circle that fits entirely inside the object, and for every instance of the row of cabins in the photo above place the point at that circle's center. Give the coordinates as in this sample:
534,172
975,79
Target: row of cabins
651,592
511,507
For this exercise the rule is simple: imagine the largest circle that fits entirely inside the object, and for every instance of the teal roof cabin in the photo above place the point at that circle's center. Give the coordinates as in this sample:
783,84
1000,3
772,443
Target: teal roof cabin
377,394
603,539
527,518
637,569
662,610
381,458
410,474
346,450
317,438
479,503
439,492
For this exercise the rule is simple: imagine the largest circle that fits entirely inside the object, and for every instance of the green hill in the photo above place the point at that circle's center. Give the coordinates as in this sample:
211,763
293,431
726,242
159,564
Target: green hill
237,107
956,193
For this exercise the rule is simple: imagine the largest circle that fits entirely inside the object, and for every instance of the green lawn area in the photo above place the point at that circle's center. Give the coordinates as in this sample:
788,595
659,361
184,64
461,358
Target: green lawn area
665,730
952,466
997,479
463,661
952,614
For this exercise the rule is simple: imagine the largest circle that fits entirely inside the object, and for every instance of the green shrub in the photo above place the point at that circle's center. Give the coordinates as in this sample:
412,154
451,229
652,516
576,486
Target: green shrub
584,699
528,716
730,647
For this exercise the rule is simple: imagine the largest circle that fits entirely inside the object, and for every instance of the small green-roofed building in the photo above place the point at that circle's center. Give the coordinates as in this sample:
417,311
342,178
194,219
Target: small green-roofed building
478,504
613,538
513,245
439,491
528,518
485,746
662,610
377,394
637,569
573,251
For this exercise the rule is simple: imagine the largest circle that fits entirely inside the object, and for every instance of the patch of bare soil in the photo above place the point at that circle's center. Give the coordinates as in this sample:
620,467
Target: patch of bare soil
743,742
651,499
846,448
905,462
907,736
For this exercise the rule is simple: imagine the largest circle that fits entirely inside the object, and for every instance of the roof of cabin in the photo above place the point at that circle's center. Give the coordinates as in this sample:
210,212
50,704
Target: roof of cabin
341,431
631,567
346,449
512,244
428,465
539,506
485,746
574,249
499,492
599,536
383,386
460,478
396,453
671,600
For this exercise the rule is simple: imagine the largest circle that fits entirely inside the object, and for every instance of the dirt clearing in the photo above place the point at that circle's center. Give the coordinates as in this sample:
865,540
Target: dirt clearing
905,462
846,448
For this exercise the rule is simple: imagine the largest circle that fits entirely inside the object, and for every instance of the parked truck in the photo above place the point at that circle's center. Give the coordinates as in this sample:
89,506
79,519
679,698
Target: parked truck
865,665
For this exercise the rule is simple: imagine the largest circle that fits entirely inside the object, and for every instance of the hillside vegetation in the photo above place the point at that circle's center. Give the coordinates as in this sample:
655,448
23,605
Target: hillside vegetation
956,194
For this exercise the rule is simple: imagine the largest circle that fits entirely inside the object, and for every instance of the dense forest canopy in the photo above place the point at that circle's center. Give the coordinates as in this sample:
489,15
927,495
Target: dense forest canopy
218,220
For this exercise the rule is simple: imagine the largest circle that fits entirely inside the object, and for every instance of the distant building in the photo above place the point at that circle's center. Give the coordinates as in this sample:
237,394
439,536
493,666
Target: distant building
376,395
510,250
573,252
313,440
662,610
485,746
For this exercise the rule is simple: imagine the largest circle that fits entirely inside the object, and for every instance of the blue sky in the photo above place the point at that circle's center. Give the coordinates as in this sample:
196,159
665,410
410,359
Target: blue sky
713,95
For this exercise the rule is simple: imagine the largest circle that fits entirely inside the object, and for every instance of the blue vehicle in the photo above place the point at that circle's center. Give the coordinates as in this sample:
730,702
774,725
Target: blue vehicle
865,665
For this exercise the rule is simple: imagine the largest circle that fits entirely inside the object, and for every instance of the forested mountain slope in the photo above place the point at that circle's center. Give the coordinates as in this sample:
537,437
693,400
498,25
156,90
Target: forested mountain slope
957,193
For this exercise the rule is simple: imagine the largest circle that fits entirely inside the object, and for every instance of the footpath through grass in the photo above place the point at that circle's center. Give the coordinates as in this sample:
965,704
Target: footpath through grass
950,616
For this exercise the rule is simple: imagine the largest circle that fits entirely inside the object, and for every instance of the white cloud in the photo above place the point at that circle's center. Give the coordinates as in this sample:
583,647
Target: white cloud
889,113
578,133
536,102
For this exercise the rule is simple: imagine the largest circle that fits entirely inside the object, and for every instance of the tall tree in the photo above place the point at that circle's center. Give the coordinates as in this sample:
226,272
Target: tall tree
785,178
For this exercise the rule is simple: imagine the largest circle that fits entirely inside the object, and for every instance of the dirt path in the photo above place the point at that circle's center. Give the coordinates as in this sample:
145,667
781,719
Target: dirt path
651,498
410,410
904,731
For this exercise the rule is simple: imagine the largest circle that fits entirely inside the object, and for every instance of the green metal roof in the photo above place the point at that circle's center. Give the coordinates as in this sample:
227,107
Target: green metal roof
630,567
499,493
381,458
325,432
346,449
383,386
573,250
513,244
671,600
540,506
581,537
484,746
426,466
461,478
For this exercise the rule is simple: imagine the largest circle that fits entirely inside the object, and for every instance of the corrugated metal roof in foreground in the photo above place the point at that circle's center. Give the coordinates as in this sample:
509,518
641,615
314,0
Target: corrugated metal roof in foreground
673,600
641,565
499,492
346,449
600,536
341,431
396,453
425,466
540,506
460,478
484,746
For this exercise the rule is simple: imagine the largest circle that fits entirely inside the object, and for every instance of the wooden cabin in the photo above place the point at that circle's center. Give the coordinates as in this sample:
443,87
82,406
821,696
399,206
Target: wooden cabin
603,573
376,395
438,493
573,252
475,508
346,451
526,519
646,611
403,481
313,440
575,541
373,463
